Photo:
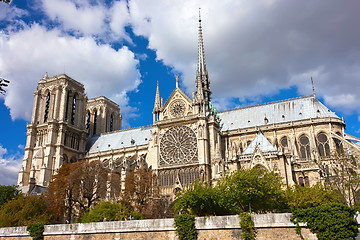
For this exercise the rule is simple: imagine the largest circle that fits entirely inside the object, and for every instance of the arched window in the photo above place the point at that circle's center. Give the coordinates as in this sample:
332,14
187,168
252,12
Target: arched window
304,147
284,142
47,105
73,110
87,126
67,105
301,182
95,116
111,123
338,144
323,145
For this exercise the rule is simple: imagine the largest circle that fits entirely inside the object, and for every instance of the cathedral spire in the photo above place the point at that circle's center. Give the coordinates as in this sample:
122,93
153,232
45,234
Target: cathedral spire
202,81
157,104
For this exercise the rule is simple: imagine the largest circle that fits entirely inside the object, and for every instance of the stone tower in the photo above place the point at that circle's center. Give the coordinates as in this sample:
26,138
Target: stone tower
56,134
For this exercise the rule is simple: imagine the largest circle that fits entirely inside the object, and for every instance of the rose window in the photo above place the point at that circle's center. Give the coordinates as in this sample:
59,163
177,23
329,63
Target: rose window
177,108
178,146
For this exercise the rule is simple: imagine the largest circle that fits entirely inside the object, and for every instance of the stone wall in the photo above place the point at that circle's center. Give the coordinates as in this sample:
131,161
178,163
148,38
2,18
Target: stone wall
269,226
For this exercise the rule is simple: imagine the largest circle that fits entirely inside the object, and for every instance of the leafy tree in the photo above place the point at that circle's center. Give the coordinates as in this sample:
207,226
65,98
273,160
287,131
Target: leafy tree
8,193
24,210
142,192
5,1
305,197
200,199
329,221
81,185
255,190
233,194
111,211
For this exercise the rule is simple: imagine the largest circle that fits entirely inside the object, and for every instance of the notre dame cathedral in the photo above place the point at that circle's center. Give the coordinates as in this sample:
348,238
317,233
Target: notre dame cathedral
188,139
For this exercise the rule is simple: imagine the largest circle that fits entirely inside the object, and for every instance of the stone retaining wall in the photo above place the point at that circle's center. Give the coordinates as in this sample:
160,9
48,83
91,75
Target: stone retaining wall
269,226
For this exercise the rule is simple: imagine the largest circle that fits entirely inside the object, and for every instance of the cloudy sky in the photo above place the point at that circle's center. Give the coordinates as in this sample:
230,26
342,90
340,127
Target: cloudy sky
256,51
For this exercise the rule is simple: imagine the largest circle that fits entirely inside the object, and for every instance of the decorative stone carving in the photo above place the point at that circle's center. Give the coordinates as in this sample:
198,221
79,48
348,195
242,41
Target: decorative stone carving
178,146
177,108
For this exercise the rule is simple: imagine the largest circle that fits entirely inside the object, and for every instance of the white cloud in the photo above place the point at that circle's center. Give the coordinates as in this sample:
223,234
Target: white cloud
103,70
78,16
255,48
9,167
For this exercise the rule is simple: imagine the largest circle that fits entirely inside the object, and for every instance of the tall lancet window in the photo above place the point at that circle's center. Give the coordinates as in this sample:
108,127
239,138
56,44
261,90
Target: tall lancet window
67,105
95,116
87,126
111,123
47,105
73,108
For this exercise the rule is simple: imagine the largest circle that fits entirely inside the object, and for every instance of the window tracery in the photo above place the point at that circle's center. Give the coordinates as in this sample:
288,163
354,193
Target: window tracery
323,145
304,147
178,146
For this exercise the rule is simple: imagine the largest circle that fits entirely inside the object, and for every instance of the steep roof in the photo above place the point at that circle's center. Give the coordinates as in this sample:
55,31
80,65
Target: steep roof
263,144
120,139
294,109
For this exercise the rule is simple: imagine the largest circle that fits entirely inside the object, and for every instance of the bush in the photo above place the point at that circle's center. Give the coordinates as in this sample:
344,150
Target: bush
110,211
305,197
185,227
329,221
247,226
36,230
24,211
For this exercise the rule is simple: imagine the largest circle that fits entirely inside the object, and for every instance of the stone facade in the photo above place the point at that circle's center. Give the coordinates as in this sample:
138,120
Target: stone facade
297,138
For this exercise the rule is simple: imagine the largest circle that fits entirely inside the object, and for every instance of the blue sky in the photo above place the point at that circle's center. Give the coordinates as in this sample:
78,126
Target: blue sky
256,51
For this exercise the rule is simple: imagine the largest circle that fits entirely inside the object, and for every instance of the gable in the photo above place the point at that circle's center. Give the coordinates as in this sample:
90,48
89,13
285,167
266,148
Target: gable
178,105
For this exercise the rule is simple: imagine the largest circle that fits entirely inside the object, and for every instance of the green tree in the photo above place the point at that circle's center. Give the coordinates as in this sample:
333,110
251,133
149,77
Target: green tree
329,221
25,210
200,199
305,197
111,211
235,193
8,193
254,190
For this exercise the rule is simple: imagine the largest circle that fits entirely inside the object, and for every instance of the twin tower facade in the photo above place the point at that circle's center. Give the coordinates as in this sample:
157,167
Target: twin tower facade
188,139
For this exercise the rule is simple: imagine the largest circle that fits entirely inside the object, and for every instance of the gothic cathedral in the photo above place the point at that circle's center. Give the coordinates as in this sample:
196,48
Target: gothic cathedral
188,139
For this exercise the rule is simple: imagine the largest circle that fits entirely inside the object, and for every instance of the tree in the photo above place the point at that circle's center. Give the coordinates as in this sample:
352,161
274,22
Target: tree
244,190
8,193
25,210
304,197
142,192
80,186
3,82
253,190
343,175
200,199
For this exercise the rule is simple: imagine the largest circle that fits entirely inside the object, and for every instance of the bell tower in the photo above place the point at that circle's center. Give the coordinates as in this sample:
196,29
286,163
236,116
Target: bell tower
56,134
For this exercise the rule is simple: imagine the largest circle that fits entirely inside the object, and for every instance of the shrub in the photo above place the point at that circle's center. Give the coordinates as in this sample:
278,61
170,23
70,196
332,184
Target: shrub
185,227
329,221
